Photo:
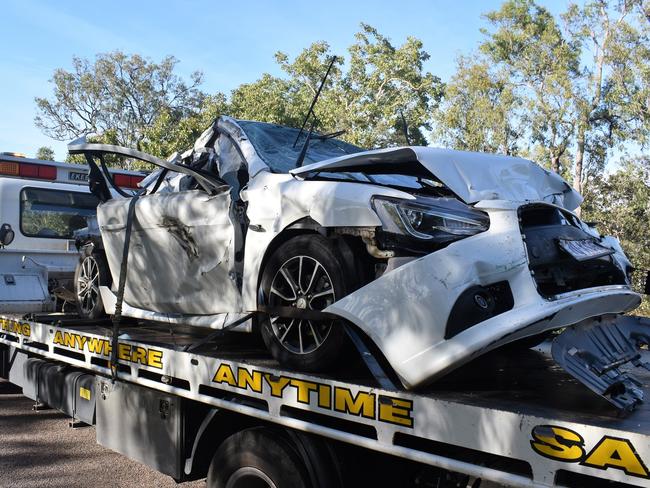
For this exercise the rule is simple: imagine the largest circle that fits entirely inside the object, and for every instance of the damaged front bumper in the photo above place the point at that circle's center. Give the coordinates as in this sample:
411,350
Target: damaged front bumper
440,311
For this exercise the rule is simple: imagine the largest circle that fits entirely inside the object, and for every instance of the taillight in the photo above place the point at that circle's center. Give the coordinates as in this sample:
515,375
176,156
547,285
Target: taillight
122,180
38,171
47,172
135,180
127,181
29,170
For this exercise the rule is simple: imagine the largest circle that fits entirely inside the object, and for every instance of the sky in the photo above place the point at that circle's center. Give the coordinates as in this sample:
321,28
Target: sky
230,42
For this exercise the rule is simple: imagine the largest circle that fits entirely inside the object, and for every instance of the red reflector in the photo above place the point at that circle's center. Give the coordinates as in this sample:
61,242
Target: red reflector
47,172
7,168
122,180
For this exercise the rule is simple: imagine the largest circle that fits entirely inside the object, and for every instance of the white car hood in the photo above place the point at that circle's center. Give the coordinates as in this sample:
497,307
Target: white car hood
471,176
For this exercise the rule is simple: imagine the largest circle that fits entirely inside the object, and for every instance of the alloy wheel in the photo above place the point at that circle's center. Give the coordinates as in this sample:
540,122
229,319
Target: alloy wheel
301,282
88,284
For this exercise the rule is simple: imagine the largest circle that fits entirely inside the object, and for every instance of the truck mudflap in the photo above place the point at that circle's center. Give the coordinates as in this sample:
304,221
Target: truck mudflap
602,352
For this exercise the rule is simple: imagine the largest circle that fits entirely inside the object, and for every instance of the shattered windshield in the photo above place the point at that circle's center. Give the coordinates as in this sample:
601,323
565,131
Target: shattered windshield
273,143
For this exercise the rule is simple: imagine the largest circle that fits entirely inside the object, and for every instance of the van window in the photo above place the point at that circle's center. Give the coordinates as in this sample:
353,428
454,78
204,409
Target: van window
54,213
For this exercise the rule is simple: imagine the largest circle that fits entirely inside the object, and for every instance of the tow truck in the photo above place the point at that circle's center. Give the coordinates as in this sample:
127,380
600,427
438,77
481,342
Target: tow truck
193,402
42,204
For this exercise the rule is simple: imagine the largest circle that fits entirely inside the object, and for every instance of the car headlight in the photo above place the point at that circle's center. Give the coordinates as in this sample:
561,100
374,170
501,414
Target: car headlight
430,219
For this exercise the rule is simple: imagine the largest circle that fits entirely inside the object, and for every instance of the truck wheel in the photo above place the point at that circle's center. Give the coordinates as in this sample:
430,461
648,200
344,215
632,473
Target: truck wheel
305,272
91,273
257,458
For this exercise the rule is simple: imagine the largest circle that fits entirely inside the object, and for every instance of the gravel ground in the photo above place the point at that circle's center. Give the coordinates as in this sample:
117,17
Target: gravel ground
39,450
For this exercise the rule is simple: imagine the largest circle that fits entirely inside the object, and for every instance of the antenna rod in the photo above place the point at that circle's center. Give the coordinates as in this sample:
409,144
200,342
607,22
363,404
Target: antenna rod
313,102
305,146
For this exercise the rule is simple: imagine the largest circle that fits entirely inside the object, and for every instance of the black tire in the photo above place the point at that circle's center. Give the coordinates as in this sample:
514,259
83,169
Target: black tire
305,345
257,458
89,301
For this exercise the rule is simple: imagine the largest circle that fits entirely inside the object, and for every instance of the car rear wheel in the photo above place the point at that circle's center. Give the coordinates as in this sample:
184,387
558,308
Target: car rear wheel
305,273
91,273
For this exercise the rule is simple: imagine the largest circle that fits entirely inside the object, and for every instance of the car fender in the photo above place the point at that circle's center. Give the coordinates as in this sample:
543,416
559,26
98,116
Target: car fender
276,201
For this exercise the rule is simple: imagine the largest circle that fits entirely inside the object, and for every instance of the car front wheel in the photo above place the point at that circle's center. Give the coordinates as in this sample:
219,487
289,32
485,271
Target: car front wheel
305,273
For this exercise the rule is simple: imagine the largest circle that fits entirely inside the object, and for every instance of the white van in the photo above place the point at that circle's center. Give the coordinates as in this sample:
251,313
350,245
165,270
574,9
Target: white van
42,204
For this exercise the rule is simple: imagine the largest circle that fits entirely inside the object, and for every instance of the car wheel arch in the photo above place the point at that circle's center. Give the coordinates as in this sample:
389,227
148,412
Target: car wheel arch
345,245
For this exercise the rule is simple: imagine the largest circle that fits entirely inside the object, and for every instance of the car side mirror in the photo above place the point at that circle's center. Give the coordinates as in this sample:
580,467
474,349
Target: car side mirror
6,235
646,288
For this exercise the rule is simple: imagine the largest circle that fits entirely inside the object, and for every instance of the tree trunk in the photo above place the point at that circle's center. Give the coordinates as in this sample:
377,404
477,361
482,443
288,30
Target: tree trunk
577,170
555,163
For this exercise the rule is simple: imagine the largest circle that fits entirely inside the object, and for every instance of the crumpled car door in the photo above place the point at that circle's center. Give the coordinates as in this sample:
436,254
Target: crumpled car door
181,256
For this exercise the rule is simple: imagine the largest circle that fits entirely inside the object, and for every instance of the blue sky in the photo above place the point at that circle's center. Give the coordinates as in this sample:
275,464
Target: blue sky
230,42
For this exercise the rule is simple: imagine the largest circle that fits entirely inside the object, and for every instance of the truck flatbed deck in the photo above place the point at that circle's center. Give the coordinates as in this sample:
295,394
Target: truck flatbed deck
513,417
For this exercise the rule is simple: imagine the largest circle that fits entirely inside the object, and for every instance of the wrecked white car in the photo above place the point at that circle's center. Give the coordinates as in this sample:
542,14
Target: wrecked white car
434,256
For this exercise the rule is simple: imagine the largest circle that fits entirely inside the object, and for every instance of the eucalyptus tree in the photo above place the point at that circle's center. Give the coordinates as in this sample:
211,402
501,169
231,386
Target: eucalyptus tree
369,93
117,96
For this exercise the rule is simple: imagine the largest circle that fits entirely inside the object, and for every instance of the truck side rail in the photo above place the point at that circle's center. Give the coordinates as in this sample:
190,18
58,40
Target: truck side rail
488,442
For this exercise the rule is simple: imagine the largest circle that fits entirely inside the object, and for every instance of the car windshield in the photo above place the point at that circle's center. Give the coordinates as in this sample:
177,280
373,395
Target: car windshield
274,144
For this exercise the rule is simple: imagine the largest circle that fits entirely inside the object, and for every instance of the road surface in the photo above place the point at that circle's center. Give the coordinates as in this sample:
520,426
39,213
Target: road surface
39,450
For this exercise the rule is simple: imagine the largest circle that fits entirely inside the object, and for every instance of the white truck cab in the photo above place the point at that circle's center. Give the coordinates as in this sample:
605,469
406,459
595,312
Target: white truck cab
42,203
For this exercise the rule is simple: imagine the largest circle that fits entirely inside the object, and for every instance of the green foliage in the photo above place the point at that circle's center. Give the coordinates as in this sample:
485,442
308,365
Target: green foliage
167,134
365,93
480,111
45,153
118,97
383,81
620,204
565,91
541,63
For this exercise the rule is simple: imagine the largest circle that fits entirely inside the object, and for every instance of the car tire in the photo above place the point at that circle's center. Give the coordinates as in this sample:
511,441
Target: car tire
257,458
91,273
306,345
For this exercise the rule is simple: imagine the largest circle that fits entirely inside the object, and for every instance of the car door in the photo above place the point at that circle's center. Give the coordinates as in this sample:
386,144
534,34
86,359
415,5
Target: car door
181,252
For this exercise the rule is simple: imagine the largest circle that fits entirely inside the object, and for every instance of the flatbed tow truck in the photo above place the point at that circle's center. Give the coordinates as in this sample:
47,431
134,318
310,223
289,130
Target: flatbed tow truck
182,399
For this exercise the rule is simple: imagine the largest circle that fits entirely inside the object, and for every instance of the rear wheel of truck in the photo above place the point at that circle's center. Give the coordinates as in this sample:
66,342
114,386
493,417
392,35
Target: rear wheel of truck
91,273
258,458
305,273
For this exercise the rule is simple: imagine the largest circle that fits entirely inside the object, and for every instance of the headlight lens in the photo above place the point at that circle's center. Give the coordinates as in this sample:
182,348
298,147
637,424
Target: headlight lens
432,219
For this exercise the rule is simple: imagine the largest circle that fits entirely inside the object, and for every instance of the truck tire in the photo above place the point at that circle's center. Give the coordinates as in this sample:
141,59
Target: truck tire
305,272
91,273
257,458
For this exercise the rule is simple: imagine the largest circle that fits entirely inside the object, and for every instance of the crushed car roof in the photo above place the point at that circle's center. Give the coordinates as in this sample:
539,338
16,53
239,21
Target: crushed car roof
471,176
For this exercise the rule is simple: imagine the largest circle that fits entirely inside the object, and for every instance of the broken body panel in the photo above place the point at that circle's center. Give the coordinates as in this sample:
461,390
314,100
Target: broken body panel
198,260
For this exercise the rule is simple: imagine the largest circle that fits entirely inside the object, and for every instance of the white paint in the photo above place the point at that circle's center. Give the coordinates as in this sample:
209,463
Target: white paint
405,311
472,176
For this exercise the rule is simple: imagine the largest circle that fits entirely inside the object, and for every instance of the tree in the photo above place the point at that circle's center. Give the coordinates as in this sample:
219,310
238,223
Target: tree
45,153
167,134
367,100
286,100
575,86
384,82
118,97
541,65
480,110
610,47
620,205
